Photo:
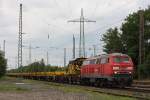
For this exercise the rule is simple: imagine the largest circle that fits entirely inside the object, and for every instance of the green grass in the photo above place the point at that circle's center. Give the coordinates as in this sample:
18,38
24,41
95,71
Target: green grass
8,84
99,96
7,87
4,78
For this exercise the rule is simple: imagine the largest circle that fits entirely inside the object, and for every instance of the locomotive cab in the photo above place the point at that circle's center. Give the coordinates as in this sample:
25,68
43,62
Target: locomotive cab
115,69
122,65
122,69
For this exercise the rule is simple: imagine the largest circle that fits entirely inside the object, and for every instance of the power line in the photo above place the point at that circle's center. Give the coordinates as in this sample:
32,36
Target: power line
30,47
81,20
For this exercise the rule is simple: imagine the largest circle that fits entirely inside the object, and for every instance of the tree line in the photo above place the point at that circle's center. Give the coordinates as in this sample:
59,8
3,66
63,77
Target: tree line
38,66
3,64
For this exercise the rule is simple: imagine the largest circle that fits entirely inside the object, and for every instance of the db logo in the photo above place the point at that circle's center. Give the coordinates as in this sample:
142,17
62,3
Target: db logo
96,70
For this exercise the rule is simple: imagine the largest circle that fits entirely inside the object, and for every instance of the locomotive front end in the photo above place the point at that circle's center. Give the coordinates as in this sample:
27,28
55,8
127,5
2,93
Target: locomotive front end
122,69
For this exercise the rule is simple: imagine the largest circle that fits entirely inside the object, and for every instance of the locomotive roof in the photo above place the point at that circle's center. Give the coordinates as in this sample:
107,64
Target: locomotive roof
106,55
118,54
77,59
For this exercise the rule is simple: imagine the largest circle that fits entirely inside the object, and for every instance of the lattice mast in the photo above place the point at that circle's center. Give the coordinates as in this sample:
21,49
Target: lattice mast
81,20
20,39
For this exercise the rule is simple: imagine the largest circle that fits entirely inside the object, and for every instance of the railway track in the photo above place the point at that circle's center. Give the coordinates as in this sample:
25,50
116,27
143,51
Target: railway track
139,82
141,86
123,92
138,89
139,93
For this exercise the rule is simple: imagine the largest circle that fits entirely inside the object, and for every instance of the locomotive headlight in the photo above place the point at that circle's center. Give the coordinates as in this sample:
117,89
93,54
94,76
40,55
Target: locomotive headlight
115,68
130,72
115,72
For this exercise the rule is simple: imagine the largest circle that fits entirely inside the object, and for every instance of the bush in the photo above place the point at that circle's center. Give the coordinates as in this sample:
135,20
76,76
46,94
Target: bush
3,64
37,67
144,71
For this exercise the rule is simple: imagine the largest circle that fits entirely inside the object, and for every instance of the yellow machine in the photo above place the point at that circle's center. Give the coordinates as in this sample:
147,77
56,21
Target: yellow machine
74,66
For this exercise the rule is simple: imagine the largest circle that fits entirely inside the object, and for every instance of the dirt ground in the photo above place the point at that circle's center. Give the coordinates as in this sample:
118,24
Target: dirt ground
41,95
21,89
38,91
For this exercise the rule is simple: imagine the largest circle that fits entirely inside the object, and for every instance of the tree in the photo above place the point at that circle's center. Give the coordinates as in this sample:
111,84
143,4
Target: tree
127,40
3,64
112,41
130,34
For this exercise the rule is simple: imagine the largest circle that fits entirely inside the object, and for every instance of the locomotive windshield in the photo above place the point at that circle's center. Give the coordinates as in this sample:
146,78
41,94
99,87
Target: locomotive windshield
121,59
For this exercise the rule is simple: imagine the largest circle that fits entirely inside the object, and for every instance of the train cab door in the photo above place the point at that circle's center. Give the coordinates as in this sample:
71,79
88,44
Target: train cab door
103,63
99,67
102,69
94,68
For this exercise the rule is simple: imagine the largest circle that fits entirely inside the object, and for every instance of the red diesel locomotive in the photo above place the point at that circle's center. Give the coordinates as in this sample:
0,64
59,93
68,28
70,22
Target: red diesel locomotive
114,69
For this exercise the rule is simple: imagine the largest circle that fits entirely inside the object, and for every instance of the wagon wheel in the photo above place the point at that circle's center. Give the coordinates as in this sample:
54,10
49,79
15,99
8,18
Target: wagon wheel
101,84
122,85
71,80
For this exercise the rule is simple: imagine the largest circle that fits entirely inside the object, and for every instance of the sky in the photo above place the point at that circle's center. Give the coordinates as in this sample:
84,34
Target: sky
50,17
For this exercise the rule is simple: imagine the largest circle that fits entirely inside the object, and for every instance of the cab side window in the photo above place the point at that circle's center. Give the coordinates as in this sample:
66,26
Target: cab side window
86,62
93,61
104,60
98,61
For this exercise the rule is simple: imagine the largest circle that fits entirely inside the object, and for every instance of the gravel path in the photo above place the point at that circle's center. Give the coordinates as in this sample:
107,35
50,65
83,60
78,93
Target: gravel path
42,95
39,91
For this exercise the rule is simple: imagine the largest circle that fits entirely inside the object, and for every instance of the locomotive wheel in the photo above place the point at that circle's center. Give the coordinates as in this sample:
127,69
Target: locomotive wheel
101,84
70,80
121,85
82,81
